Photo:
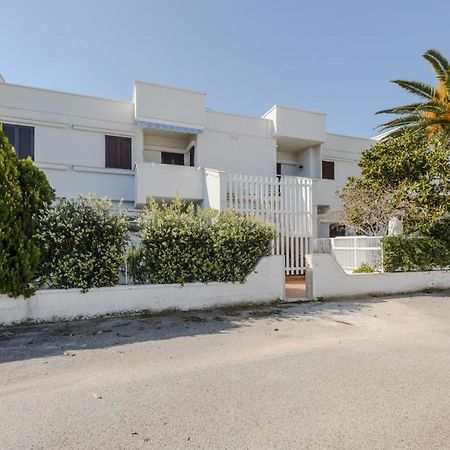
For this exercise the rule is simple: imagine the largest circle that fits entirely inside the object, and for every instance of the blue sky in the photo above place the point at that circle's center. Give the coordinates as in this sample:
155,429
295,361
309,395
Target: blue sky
329,56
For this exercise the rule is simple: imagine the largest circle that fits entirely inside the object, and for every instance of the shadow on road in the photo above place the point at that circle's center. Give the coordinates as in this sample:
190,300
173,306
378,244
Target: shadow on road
52,339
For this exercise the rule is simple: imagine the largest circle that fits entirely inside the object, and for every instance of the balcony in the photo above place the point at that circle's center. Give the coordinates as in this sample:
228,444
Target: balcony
165,182
297,127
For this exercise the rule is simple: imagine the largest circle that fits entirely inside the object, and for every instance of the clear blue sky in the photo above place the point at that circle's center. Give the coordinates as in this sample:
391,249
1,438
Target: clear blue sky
329,56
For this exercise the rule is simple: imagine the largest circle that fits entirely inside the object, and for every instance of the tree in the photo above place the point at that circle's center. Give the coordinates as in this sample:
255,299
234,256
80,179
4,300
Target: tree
430,116
405,177
24,193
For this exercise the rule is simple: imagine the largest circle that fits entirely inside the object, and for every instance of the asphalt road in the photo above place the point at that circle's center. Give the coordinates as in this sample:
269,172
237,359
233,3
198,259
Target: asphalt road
362,374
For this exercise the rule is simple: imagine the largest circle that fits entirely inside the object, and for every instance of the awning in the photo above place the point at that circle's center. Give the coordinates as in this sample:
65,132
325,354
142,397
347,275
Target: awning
169,127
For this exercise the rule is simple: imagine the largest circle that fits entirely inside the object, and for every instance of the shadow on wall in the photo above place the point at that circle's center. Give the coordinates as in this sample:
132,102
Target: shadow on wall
45,340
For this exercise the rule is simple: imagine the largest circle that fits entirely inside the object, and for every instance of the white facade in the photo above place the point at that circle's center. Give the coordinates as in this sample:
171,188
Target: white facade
173,125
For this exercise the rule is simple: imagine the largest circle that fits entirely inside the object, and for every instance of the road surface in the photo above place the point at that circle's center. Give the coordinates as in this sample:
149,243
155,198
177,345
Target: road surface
366,374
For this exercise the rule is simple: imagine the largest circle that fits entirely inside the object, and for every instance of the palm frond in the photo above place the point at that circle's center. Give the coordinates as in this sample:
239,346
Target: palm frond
437,61
416,87
401,121
405,109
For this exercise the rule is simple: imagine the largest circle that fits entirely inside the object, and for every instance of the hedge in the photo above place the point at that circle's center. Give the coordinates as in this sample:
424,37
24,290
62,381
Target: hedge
405,254
182,243
24,192
82,244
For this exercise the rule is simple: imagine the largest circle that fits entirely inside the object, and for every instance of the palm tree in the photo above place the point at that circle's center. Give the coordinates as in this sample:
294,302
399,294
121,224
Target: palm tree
430,116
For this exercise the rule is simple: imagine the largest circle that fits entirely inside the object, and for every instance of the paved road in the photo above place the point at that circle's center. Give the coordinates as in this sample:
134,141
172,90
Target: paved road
369,374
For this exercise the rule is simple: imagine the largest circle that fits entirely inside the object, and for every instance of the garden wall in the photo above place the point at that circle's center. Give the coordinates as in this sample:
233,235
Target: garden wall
264,285
325,278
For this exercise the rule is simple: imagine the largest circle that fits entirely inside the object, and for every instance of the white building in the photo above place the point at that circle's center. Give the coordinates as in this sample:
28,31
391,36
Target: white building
165,142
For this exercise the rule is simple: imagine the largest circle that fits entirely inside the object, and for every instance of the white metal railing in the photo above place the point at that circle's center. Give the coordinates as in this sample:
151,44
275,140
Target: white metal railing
351,252
285,202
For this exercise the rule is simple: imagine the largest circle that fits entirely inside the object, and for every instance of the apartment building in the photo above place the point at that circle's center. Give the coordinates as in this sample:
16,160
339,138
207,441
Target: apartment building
165,142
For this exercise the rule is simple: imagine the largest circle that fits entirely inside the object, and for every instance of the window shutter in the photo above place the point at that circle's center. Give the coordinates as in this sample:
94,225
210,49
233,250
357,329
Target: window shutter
117,152
21,137
328,170
10,132
111,151
25,142
125,153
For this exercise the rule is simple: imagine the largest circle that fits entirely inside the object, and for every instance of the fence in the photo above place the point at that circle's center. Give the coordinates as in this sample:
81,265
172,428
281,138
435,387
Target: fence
351,252
286,202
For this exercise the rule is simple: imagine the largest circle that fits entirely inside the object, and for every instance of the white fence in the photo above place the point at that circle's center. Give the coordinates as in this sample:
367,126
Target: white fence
286,202
351,252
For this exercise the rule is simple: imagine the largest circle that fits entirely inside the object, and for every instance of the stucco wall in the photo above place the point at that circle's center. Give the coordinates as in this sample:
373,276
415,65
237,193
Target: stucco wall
265,285
237,144
326,279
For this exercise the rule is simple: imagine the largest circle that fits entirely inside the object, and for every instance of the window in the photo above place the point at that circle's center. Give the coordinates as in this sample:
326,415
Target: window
118,152
192,157
337,230
328,170
322,209
176,159
21,138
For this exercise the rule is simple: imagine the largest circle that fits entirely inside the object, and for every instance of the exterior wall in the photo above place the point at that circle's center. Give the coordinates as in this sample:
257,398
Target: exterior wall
326,279
264,285
70,138
237,144
166,182
345,152
70,134
168,105
298,124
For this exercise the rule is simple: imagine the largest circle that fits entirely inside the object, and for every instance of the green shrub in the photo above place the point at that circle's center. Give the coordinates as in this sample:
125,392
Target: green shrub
239,241
24,192
402,253
182,243
364,268
175,246
82,244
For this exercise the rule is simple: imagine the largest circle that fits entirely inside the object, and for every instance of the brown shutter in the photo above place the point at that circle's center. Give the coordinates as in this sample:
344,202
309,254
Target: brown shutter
328,170
111,151
118,152
125,153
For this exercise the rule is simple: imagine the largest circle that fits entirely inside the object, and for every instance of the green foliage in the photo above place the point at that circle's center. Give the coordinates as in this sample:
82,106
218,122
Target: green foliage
82,244
406,177
430,116
239,242
404,254
182,243
364,268
24,192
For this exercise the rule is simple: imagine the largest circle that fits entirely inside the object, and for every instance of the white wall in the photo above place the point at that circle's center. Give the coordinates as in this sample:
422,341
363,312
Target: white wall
265,285
237,144
70,134
325,278
296,123
165,182
345,151
169,105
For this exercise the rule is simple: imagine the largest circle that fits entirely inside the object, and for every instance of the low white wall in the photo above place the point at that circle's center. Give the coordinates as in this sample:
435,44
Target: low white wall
325,278
264,285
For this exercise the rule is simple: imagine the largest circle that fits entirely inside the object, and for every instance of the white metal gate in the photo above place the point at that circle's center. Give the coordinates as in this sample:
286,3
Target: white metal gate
286,202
